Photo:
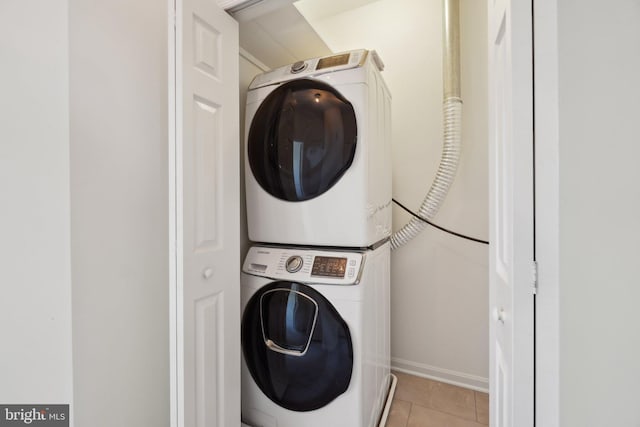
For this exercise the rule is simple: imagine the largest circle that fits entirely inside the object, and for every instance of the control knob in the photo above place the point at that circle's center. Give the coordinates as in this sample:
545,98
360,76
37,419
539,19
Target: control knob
294,264
298,66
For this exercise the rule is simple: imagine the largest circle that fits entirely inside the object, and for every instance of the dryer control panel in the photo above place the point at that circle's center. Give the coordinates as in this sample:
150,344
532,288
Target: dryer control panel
305,265
314,67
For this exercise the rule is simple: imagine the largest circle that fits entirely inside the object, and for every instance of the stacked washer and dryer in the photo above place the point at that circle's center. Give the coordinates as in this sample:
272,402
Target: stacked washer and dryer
315,286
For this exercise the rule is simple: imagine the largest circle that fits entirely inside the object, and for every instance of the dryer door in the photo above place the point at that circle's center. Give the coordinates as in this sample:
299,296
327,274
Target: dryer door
296,346
302,140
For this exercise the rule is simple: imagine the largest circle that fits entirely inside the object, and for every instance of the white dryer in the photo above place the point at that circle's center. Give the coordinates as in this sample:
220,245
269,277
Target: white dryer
318,153
315,337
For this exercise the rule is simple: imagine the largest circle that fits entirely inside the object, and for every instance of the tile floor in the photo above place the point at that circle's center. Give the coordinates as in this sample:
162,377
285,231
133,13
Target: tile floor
420,402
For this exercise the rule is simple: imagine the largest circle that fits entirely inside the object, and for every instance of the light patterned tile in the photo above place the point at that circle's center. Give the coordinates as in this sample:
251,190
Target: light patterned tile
413,389
425,417
398,414
453,400
482,407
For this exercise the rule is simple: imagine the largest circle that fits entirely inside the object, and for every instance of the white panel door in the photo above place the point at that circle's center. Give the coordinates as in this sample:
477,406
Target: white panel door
207,187
511,217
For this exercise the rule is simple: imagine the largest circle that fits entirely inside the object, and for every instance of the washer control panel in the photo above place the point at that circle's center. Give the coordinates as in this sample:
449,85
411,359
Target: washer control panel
305,265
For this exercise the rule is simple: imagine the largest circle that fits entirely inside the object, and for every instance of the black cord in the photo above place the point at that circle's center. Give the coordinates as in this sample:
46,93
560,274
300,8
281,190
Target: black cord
415,215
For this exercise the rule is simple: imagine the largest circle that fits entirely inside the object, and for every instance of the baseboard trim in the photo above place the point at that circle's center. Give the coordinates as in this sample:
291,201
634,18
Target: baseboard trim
460,379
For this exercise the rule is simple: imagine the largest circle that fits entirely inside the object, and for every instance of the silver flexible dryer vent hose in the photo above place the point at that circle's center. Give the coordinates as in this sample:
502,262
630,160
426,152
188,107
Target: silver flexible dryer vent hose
452,112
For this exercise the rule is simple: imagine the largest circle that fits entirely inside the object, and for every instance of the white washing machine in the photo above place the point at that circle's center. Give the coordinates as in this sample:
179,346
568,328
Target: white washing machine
318,153
315,337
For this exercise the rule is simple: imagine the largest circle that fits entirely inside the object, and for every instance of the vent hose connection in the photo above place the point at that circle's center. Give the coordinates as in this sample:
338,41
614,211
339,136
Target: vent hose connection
452,116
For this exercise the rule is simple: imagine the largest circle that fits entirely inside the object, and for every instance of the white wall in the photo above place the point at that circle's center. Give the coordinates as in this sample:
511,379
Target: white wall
119,211
35,307
439,282
599,148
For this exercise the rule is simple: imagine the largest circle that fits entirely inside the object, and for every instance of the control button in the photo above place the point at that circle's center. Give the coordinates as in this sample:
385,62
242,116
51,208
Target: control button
351,272
298,66
294,264
352,262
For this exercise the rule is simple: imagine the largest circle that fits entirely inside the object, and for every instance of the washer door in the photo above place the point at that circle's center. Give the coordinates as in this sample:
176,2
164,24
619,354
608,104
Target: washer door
302,140
296,346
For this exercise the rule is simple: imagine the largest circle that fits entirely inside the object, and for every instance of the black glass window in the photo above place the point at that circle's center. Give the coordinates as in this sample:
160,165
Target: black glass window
312,362
290,326
302,140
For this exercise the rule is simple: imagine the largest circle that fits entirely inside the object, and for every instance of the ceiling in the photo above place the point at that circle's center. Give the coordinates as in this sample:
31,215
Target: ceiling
278,32
314,10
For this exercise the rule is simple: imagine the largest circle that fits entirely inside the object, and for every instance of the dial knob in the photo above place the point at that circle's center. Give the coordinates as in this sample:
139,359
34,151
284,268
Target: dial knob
298,66
294,264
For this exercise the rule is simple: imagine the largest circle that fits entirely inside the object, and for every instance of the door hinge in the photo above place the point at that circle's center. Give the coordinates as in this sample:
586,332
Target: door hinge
534,277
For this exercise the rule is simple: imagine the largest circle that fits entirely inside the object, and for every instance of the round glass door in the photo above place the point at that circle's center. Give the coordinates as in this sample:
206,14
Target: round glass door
296,346
302,140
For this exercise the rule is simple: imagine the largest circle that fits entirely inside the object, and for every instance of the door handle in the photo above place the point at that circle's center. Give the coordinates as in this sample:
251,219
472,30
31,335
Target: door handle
275,347
207,273
499,315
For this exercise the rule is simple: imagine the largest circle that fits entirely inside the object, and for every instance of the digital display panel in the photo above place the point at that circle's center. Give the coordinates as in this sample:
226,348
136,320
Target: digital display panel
326,266
333,61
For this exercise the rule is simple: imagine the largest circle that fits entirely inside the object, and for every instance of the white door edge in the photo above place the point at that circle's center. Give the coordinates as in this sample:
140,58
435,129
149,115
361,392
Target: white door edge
511,257
547,212
172,243
171,165
176,363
